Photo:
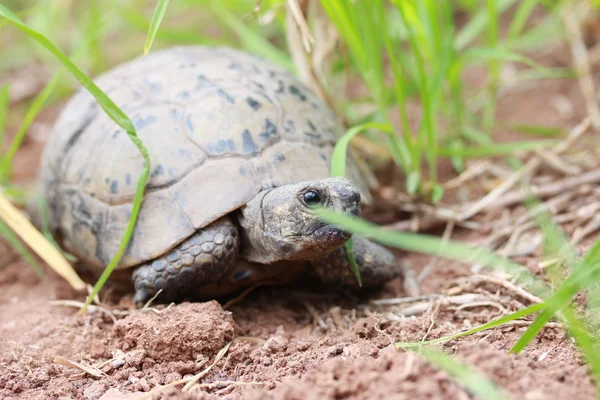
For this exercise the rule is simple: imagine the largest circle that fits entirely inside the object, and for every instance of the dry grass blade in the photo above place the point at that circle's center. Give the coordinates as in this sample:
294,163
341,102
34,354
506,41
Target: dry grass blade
34,239
85,368
188,381
582,64
198,376
246,292
78,304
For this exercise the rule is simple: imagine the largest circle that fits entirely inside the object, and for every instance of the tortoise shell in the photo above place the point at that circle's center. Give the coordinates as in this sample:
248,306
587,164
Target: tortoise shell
220,125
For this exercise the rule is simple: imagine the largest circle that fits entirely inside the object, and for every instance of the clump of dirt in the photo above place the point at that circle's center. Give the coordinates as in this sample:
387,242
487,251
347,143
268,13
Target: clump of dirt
185,332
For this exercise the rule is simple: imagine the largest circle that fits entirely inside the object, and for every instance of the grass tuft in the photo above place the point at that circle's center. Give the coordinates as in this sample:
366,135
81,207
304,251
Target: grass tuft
159,14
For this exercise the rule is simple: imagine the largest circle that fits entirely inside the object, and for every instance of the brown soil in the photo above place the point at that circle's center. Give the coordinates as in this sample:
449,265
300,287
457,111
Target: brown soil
285,342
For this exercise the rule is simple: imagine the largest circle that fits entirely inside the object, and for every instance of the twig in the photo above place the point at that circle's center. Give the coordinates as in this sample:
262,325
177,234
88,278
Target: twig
307,39
404,300
315,315
507,285
482,304
78,304
218,384
245,293
582,64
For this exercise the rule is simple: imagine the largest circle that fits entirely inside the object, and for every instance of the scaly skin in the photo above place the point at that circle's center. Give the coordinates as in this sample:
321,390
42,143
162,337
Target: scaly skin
206,257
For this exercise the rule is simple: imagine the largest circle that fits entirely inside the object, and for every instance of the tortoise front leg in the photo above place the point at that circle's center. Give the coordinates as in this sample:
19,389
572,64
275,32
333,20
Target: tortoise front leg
376,264
205,257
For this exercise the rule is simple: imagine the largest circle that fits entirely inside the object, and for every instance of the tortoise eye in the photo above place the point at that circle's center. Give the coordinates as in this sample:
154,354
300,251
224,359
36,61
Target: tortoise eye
312,198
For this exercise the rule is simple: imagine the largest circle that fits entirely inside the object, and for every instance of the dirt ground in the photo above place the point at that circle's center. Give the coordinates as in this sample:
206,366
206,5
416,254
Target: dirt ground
291,342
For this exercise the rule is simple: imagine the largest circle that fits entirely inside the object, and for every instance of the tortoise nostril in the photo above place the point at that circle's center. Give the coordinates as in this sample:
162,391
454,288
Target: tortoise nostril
355,197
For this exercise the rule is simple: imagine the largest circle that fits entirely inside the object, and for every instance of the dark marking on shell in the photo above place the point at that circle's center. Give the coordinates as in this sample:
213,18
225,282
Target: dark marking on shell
128,179
107,180
313,135
175,113
221,147
187,65
185,95
270,130
248,145
114,187
253,103
80,209
172,172
77,134
188,123
296,92
272,73
279,157
280,87
234,66
116,134
159,170
242,171
311,125
225,95
259,85
141,123
288,126
97,224
153,87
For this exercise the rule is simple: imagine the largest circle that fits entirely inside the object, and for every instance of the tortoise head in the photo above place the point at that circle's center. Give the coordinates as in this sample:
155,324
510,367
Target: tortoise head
281,223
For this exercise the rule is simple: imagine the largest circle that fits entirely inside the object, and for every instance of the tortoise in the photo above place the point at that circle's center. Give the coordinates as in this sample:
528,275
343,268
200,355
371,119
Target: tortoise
240,152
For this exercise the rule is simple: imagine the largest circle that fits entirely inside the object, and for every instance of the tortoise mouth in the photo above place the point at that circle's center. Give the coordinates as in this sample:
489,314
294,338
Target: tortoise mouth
332,235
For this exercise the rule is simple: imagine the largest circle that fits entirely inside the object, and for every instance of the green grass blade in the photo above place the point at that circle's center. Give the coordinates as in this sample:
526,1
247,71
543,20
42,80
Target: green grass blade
498,149
35,108
520,18
434,246
477,24
172,36
500,54
428,139
493,34
584,274
338,157
490,325
537,130
104,101
476,383
117,115
251,40
159,14
4,104
584,339
14,242
338,12
476,136
398,64
349,246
